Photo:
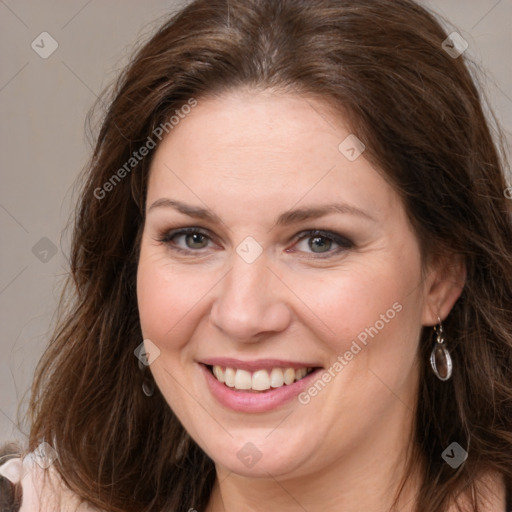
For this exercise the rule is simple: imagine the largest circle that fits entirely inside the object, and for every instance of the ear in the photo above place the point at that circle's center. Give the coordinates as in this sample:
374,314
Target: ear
443,286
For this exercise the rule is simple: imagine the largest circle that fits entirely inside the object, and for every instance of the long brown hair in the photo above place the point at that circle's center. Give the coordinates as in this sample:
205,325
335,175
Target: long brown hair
382,64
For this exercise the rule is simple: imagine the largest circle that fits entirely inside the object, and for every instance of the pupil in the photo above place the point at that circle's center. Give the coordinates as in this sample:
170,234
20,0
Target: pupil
196,238
321,243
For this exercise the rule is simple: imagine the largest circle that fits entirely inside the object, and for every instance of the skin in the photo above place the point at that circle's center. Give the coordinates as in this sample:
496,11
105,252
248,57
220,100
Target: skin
249,156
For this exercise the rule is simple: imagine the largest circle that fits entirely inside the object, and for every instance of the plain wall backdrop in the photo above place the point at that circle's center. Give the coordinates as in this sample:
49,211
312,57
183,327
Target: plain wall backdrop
57,56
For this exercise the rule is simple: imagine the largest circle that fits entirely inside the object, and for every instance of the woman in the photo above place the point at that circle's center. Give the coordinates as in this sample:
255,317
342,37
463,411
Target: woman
291,276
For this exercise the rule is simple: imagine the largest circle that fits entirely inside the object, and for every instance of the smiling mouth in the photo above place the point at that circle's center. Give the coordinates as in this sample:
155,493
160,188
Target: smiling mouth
258,381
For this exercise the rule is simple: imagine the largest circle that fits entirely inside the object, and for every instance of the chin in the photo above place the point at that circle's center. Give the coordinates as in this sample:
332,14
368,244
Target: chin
261,457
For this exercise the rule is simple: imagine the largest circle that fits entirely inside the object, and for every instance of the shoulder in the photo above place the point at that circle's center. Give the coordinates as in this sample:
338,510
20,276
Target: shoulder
42,487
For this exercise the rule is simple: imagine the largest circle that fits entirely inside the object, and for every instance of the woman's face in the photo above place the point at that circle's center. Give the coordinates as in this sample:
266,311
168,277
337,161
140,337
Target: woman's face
256,293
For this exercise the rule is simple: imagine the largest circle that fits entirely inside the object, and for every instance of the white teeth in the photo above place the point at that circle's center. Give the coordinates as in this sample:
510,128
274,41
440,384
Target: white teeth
300,373
229,376
219,374
260,380
243,379
276,378
289,376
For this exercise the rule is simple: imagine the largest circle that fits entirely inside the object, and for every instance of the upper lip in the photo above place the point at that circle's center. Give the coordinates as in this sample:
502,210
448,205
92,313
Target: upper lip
256,364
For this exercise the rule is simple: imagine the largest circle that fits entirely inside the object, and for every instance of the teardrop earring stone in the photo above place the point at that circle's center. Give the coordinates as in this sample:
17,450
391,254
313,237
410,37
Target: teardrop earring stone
441,362
148,388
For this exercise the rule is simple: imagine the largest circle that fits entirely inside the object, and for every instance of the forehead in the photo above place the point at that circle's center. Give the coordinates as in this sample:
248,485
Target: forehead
257,147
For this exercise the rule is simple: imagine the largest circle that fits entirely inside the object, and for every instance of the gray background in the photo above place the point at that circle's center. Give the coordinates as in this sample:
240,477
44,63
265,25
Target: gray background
43,104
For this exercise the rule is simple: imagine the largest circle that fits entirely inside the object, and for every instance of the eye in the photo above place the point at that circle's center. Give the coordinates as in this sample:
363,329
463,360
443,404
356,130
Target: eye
322,242
193,239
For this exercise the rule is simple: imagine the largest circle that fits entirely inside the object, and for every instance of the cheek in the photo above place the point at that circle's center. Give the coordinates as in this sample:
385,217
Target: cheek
347,304
155,295
169,299
374,312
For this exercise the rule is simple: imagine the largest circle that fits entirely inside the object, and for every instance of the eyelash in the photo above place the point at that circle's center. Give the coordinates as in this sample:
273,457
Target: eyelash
343,242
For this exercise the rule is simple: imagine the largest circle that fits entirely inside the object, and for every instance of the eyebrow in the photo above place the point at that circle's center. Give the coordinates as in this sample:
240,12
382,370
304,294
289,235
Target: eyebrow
285,219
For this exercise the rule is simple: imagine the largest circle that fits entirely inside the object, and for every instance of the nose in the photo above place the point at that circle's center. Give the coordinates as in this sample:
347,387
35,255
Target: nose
251,302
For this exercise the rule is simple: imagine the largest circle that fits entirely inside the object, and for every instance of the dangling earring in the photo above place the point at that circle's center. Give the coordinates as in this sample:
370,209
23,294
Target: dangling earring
148,385
440,358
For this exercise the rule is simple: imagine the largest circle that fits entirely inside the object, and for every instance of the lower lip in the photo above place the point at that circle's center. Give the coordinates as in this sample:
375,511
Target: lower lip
241,401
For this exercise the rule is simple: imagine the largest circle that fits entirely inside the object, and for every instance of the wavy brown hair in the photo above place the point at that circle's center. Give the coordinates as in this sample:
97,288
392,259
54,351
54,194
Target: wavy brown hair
381,64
